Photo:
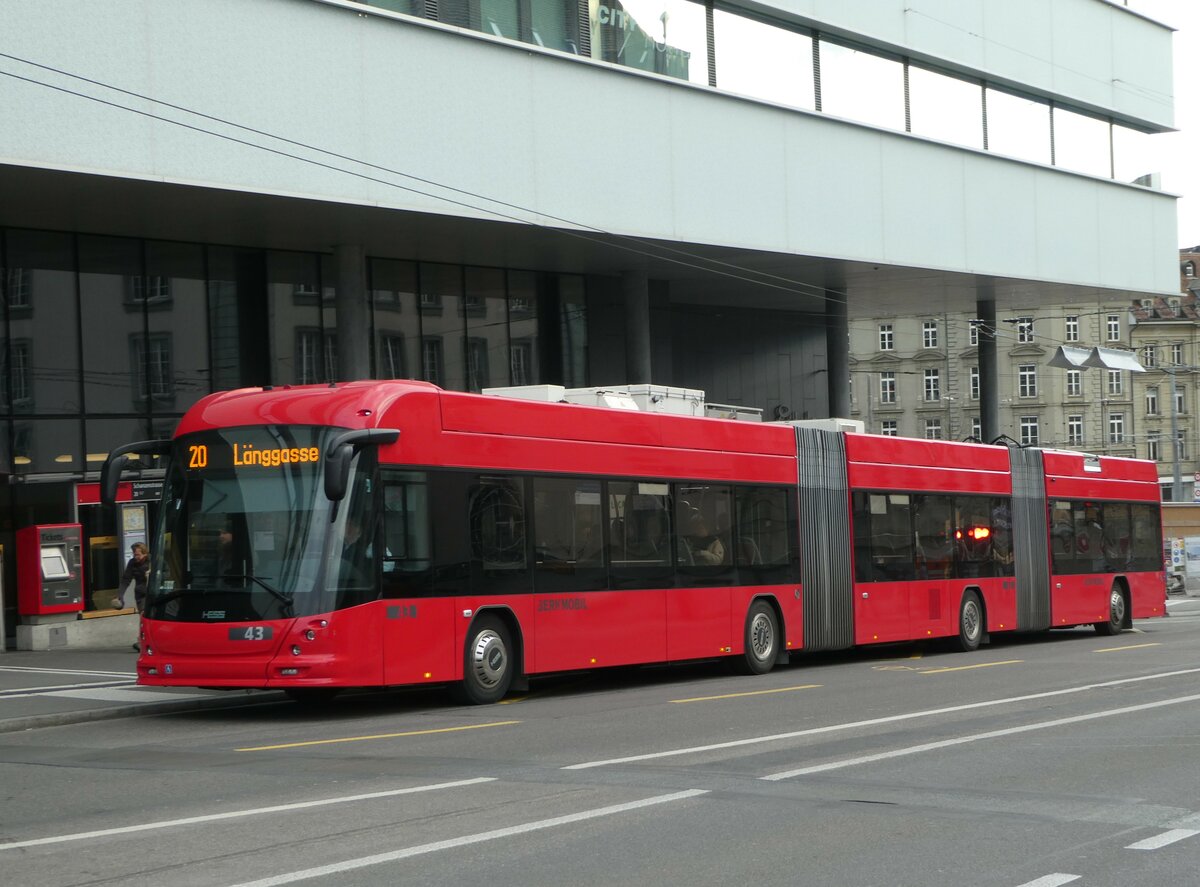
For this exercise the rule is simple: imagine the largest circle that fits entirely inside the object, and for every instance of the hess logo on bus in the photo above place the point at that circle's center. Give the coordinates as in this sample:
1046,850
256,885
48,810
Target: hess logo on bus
244,455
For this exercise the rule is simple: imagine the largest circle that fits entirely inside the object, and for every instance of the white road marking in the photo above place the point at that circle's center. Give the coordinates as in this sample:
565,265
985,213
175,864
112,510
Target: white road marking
976,737
118,694
1055,880
31,670
1175,834
453,843
891,719
235,814
58,689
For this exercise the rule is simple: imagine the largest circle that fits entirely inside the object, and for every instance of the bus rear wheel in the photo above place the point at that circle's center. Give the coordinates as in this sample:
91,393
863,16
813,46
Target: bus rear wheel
487,662
970,623
761,640
1116,613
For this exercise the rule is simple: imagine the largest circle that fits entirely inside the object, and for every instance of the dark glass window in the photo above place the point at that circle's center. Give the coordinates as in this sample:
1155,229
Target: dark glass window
568,520
496,524
396,321
704,534
1146,533
764,547
442,326
407,534
883,538
486,308
639,518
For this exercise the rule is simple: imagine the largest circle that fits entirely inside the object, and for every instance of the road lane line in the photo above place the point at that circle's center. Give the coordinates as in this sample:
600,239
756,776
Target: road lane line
1128,647
28,669
873,722
338,868
966,667
975,737
235,814
377,736
749,693
59,688
1175,834
1055,880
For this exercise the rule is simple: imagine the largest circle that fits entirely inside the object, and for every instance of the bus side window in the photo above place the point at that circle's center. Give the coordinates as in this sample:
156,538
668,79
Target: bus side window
406,559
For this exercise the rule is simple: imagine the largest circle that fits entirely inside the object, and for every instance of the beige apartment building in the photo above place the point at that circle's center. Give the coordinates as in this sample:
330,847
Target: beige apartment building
918,376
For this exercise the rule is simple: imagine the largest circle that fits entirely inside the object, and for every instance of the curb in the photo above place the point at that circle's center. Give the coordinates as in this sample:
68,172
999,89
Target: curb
136,710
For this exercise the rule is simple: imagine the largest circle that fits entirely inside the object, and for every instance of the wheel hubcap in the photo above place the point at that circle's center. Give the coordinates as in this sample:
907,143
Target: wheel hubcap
970,620
762,638
489,659
1117,607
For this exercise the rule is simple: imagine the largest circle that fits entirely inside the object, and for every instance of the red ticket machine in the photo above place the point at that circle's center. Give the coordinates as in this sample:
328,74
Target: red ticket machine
49,569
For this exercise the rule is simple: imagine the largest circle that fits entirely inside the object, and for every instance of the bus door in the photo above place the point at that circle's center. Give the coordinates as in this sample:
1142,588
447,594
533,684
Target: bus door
885,566
418,628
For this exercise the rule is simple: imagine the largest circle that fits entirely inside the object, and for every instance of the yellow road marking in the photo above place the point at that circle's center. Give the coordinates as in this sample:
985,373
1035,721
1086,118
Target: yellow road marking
1128,647
750,693
916,655
965,667
512,701
376,736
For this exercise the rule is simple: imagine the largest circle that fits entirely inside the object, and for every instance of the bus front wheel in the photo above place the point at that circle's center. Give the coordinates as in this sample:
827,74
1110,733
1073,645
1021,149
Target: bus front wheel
487,662
1116,613
762,639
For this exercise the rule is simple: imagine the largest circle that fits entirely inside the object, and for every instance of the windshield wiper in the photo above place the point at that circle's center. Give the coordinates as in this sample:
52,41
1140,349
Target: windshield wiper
281,596
163,596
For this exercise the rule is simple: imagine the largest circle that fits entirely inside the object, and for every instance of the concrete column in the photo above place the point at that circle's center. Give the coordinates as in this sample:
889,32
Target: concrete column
635,288
989,373
837,350
353,314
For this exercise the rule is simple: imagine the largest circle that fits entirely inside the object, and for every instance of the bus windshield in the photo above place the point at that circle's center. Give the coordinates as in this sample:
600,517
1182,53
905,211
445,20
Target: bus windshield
246,532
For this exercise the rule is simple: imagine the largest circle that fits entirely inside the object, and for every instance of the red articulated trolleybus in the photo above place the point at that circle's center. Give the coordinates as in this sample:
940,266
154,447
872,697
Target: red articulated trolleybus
375,534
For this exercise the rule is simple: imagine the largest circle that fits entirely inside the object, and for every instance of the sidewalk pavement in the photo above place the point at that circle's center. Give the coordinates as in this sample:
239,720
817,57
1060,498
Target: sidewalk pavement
50,689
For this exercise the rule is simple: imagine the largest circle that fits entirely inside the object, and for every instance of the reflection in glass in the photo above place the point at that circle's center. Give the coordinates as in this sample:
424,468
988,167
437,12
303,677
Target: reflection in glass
1135,154
1081,143
548,23
945,108
861,86
486,308
237,317
572,301
112,293
397,327
442,326
524,367
664,36
45,362
1018,126
764,61
46,446
177,358
297,339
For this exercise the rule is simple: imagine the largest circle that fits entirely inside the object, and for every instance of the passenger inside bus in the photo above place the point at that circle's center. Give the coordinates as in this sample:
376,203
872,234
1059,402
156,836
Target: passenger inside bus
703,547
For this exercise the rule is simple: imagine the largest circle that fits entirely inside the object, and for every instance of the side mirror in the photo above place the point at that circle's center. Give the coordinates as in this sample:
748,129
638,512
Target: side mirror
110,474
340,454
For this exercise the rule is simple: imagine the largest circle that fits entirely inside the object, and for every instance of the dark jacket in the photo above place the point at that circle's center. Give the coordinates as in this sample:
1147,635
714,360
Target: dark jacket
137,573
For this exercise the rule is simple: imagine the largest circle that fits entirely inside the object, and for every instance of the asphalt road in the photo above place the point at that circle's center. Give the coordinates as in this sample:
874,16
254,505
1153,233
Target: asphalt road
1034,762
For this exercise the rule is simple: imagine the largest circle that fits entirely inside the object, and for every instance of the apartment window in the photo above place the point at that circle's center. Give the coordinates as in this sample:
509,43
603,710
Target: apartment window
933,385
1024,329
1075,431
929,334
153,289
933,429
1074,383
1150,356
976,428
887,337
19,376
1027,380
19,280
1029,430
1152,400
1180,402
889,428
1189,269
1177,354
477,364
391,357
1116,383
521,363
1116,428
152,367
315,354
1072,328
1153,452
431,360
1173,303
973,333
1113,327
975,388
1181,444
887,387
